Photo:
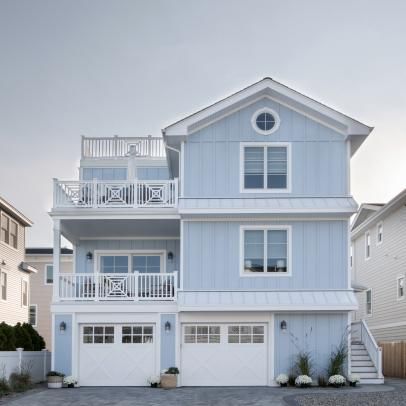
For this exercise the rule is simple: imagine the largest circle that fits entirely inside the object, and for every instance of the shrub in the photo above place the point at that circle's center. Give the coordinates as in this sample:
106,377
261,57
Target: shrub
172,371
55,373
20,382
23,338
337,360
4,387
304,363
9,344
38,342
336,380
304,381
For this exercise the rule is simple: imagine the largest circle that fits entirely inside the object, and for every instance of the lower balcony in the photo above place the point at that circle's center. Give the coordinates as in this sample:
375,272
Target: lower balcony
118,286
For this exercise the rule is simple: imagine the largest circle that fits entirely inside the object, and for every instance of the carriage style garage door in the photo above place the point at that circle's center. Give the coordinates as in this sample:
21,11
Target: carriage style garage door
116,354
224,355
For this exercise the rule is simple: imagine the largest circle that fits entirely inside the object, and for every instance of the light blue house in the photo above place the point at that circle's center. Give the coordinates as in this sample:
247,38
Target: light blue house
221,247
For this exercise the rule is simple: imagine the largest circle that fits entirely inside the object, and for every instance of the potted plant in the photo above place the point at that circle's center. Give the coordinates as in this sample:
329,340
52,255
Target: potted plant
154,381
70,381
336,380
169,378
353,379
55,379
303,381
282,380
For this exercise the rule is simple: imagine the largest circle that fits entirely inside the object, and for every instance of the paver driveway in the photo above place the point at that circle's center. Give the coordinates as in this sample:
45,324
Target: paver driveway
257,396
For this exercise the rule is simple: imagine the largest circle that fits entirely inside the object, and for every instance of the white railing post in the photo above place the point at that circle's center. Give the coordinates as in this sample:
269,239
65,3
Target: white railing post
176,192
175,285
55,184
20,358
44,361
56,258
136,289
94,194
98,282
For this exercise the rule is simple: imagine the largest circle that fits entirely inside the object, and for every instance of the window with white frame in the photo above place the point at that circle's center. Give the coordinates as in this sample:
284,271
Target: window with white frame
379,233
137,334
265,250
400,285
368,302
3,285
98,335
265,167
24,292
351,255
8,230
49,274
246,334
134,262
198,334
32,315
367,245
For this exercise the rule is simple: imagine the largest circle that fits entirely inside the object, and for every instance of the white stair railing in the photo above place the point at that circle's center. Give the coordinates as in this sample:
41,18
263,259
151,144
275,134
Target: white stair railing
360,332
118,286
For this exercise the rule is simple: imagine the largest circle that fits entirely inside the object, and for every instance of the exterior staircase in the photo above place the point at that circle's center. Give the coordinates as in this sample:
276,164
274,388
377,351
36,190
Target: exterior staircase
366,357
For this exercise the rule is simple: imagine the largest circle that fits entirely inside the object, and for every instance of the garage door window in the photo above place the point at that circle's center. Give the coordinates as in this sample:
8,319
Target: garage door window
202,334
245,334
98,335
137,335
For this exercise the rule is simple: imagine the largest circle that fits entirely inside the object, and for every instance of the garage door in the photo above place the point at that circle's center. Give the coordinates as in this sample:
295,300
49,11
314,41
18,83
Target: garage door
116,354
224,355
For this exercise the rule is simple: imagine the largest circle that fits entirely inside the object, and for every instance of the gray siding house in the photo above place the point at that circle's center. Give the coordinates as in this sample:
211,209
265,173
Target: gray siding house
378,240
221,247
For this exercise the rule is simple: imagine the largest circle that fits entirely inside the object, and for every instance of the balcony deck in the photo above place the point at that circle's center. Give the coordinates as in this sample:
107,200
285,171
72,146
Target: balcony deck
118,287
116,194
120,147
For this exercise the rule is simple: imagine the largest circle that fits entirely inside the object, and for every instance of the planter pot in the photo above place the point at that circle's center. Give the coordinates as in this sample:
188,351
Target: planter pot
353,384
154,385
55,382
169,381
283,385
71,385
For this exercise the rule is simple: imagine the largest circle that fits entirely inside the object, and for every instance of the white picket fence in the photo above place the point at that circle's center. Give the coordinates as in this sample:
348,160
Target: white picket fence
37,363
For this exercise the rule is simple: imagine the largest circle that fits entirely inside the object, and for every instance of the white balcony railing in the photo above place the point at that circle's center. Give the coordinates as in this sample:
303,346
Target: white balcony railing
131,194
118,286
119,147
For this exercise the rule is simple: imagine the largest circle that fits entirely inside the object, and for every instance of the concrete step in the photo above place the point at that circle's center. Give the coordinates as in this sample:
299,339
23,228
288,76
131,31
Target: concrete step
355,358
358,370
357,347
360,353
362,363
366,375
372,381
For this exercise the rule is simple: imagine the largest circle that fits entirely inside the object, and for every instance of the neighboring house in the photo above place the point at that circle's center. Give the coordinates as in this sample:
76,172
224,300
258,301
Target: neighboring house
378,241
41,287
221,248
14,272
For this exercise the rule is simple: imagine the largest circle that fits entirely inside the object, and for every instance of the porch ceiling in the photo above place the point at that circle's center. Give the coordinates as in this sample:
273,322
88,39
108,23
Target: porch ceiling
75,230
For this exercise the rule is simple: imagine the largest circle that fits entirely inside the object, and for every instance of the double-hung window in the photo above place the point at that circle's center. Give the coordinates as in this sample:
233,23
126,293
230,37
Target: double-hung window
8,231
49,274
266,250
32,315
368,302
24,292
400,287
3,285
265,167
367,245
379,234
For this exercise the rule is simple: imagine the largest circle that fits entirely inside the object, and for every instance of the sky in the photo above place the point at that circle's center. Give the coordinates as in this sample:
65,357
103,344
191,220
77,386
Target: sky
130,67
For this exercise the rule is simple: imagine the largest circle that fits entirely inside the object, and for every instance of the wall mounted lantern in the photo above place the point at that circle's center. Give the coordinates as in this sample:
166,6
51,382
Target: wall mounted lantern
89,256
284,325
170,256
167,327
62,327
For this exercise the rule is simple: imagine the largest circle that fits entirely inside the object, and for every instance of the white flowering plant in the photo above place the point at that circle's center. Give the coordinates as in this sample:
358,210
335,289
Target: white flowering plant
304,381
336,380
282,379
354,378
154,379
70,380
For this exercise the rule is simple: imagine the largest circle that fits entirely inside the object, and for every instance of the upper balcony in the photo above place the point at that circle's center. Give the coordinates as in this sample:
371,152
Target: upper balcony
121,147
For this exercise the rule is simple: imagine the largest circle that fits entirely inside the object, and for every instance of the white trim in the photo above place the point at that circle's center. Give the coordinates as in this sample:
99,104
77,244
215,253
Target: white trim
349,323
286,211
36,314
380,224
129,253
272,113
262,219
350,254
271,350
45,274
399,298
181,264
75,346
265,145
182,168
366,303
367,252
127,238
53,341
265,228
276,308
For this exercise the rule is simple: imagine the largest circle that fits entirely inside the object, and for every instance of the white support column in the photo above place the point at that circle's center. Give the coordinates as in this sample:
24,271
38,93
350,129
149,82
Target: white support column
57,259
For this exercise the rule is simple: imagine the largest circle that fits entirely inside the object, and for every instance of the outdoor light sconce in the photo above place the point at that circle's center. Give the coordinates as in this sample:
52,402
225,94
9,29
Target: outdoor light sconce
167,327
3,262
89,256
62,327
284,325
170,256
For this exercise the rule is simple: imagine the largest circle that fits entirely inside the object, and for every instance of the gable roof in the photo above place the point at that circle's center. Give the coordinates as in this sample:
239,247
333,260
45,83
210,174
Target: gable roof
267,87
382,211
13,212
366,210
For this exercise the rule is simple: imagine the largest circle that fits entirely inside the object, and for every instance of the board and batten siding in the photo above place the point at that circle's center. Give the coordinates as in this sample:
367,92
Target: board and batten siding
320,165
212,256
319,334
387,261
41,293
12,310
85,246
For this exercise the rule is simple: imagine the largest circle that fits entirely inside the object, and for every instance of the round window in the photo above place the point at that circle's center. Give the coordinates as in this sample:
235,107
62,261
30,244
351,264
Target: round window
265,121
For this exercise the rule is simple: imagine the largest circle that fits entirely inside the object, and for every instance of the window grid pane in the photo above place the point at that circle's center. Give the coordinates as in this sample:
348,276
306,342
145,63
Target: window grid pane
202,334
246,334
98,334
138,334
254,167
